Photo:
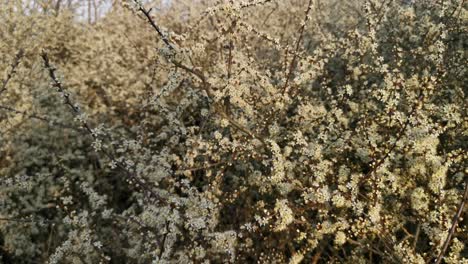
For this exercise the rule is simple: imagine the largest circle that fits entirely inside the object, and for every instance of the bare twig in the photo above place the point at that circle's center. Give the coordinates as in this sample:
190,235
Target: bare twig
416,236
455,220
298,43
147,13
10,74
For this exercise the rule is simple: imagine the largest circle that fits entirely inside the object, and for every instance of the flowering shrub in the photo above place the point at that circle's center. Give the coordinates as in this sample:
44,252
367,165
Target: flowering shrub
260,131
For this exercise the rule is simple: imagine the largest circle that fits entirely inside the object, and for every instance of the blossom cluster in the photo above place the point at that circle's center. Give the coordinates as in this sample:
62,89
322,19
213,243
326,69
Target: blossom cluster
256,131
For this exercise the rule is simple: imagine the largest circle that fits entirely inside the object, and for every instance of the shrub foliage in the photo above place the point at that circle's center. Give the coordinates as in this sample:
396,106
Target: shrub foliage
259,131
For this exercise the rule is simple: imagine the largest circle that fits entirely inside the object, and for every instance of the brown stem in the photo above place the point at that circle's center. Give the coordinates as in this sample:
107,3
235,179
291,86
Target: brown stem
455,220
416,236
10,74
298,43
147,12
200,76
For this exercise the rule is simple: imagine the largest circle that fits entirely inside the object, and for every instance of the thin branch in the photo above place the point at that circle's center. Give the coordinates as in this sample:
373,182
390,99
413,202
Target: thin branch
163,242
199,75
368,247
38,117
10,74
147,13
416,236
376,163
269,14
317,256
77,112
455,220
298,43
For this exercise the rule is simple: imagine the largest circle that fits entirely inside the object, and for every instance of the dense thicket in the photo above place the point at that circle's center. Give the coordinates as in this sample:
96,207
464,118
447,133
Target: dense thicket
260,131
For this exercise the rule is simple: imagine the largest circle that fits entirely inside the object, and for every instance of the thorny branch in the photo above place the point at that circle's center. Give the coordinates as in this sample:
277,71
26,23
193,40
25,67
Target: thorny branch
455,220
199,75
298,43
10,74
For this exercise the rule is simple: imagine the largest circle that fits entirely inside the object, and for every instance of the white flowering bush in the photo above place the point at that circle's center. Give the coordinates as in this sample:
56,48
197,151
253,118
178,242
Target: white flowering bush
258,131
